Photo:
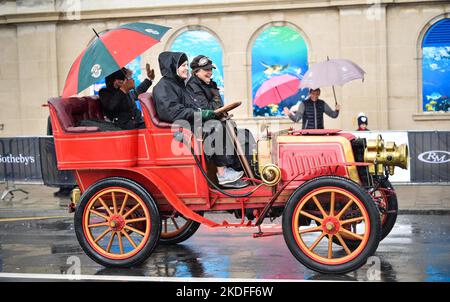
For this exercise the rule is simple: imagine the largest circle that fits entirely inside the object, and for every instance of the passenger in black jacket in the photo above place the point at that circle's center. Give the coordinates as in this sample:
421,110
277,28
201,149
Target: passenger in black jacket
118,98
174,103
202,86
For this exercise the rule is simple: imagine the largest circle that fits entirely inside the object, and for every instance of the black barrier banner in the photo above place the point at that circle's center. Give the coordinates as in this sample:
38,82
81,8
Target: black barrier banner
430,156
20,159
53,177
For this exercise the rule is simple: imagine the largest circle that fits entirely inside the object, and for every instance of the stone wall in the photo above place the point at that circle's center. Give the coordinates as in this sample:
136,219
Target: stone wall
40,42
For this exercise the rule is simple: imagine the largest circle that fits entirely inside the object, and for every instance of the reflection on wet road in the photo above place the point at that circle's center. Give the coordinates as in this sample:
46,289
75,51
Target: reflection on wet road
416,250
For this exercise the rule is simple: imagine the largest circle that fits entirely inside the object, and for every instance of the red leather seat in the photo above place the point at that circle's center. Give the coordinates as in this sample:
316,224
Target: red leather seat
95,111
147,100
71,111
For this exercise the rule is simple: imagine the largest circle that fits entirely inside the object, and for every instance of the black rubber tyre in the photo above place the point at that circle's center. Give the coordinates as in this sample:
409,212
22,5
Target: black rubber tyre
357,258
389,221
187,231
155,223
392,208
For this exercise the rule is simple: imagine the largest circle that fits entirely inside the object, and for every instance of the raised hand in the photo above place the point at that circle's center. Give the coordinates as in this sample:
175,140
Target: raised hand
150,72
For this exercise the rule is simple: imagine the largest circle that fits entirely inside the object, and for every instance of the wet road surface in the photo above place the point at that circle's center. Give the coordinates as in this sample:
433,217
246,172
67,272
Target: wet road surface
418,249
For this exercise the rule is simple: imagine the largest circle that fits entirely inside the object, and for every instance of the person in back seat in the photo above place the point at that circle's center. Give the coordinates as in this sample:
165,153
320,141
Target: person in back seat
118,98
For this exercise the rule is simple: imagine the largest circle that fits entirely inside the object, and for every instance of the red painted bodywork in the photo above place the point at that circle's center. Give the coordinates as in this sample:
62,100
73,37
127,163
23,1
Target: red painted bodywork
145,156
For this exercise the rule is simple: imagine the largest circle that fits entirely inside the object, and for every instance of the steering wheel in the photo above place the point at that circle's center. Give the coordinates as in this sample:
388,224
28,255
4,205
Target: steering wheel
227,107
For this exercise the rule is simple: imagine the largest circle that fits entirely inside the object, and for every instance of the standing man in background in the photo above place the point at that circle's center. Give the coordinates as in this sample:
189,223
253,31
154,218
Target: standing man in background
311,111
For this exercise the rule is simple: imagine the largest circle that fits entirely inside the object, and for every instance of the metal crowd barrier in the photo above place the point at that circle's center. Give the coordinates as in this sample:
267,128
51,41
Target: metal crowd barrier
32,160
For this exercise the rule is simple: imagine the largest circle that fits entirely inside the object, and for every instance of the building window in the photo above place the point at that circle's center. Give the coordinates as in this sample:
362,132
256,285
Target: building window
436,68
278,51
201,42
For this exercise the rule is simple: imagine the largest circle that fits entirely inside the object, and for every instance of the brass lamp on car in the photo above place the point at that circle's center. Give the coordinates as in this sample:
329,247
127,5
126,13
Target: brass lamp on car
382,154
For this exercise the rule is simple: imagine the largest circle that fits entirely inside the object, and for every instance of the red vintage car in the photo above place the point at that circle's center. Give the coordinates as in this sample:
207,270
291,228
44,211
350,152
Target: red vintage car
331,189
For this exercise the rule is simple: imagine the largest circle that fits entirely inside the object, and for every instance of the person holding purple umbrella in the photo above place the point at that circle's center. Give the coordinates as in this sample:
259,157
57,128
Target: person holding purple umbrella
311,111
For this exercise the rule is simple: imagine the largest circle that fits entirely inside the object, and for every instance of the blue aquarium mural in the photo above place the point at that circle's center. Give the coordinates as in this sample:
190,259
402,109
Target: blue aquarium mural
436,68
201,42
277,51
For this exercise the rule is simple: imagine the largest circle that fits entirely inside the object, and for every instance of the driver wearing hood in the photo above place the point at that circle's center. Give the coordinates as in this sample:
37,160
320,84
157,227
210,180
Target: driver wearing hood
173,102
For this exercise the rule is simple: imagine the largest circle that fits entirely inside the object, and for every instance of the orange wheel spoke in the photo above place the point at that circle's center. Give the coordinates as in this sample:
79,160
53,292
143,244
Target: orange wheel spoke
124,202
105,206
119,236
316,201
129,239
96,225
134,230
175,223
344,245
330,246
332,203
351,234
99,214
131,211
313,246
108,249
112,216
165,225
310,230
349,203
357,219
311,216
113,195
102,235
135,220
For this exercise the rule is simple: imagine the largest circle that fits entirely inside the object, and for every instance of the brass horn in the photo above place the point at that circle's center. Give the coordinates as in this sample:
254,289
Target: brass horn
271,175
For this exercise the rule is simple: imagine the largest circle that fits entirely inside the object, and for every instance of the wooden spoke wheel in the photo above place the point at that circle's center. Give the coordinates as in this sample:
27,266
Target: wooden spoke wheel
335,204
388,207
117,223
177,228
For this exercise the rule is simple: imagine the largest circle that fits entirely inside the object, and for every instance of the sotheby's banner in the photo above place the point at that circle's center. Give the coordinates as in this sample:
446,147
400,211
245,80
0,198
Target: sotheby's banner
20,160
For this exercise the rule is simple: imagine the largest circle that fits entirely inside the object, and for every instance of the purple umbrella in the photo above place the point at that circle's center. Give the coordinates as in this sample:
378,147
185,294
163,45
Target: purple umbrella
331,73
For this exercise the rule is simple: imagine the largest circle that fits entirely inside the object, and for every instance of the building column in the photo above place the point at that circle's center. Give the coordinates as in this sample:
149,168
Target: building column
363,36
38,74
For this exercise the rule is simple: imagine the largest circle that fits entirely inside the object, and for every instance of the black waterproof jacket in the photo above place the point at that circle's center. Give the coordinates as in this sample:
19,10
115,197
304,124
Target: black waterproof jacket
207,96
120,107
172,101
311,114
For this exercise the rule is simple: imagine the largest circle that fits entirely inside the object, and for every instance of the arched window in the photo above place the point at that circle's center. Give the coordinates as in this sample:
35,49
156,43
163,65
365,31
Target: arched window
436,68
201,42
277,51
